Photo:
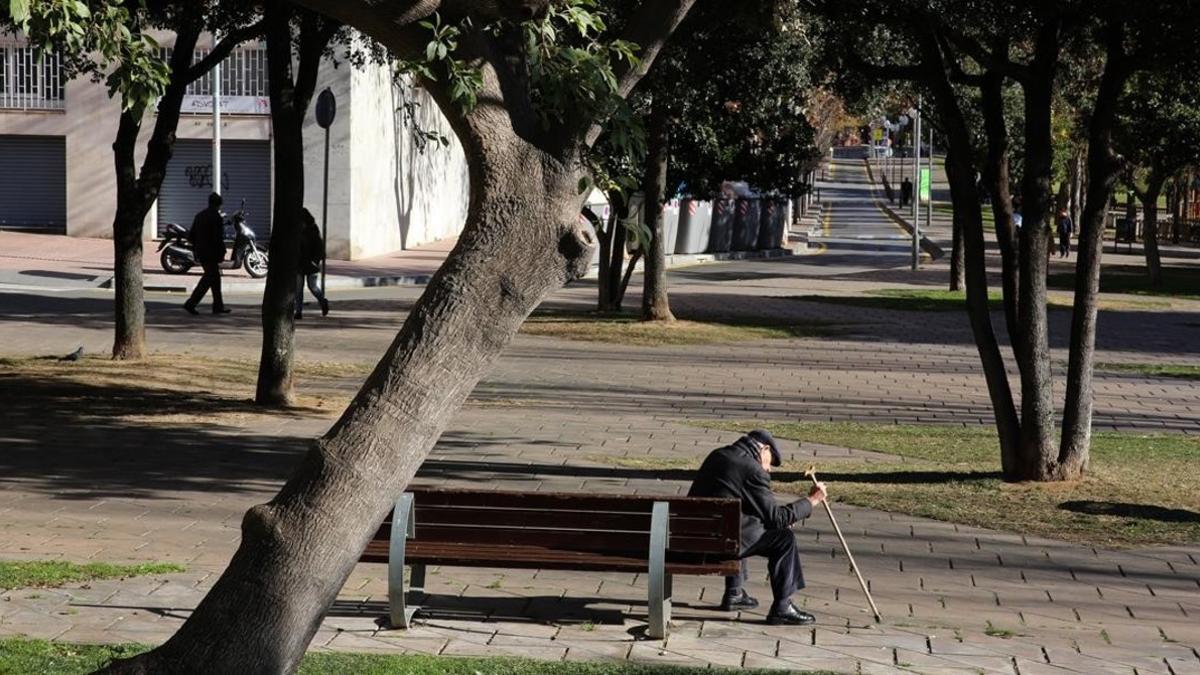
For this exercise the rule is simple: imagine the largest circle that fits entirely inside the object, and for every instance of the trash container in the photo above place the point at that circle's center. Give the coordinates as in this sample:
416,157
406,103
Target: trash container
720,237
670,225
695,223
746,221
768,221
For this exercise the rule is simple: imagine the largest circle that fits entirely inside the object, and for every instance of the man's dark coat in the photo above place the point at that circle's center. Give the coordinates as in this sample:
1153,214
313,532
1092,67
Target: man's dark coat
208,236
736,471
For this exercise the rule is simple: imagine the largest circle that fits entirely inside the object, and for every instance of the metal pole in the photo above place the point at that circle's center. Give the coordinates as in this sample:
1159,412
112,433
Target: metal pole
929,205
325,212
916,212
216,94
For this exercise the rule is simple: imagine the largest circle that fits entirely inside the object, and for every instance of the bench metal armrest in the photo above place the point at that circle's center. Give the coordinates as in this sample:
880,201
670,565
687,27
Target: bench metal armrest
660,581
404,526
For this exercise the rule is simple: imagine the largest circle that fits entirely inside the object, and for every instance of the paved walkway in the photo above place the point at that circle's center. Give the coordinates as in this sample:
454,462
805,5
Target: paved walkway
130,477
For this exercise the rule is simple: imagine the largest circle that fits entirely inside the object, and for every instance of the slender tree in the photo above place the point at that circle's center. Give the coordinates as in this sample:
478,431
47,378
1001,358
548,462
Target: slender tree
299,37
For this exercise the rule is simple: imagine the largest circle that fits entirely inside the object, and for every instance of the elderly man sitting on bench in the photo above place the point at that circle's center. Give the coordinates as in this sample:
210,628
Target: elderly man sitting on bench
743,471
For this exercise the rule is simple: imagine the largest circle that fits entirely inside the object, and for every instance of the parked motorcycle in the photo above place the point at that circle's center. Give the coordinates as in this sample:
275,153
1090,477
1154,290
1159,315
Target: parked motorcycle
177,256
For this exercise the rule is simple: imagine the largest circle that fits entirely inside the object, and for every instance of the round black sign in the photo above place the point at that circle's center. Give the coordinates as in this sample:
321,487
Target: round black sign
326,108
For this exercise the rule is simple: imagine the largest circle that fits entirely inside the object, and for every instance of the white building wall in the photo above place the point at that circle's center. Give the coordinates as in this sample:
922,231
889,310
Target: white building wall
384,196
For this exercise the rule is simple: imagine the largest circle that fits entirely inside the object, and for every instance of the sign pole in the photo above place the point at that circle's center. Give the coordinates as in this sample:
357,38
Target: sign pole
916,207
326,111
216,96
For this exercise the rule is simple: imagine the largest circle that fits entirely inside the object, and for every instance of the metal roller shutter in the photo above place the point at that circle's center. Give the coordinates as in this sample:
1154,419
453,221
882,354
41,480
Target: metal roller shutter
246,166
33,183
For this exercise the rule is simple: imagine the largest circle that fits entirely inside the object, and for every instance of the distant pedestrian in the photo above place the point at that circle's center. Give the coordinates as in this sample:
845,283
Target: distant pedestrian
312,254
1017,217
906,192
208,244
1065,229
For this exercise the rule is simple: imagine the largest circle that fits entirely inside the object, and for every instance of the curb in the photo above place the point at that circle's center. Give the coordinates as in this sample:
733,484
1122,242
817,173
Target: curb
927,245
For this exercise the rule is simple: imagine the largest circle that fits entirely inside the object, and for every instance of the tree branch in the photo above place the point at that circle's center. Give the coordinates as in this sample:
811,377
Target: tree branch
987,59
222,50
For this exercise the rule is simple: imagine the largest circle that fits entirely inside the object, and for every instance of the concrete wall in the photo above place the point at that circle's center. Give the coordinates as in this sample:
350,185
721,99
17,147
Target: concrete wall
401,196
385,195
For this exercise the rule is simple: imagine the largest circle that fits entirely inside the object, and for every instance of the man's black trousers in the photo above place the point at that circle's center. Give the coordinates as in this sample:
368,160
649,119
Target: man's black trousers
783,564
211,279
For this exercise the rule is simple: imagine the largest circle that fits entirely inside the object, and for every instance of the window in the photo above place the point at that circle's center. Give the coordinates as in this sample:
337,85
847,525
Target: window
29,80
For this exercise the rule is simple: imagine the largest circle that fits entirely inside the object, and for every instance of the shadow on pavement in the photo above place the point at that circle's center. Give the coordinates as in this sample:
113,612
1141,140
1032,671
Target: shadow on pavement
1143,511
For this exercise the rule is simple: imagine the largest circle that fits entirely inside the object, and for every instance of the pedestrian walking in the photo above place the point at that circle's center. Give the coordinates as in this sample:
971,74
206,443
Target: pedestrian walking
906,192
312,254
743,471
208,244
1065,229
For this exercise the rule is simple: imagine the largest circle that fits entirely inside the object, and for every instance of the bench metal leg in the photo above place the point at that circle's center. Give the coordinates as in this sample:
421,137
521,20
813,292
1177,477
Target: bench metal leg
660,581
401,608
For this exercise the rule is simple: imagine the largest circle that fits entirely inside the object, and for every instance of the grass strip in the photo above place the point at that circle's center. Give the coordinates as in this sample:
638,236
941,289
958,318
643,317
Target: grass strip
1140,489
54,573
629,330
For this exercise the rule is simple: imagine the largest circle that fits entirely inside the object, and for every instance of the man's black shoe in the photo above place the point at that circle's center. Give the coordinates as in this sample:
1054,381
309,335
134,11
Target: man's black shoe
191,310
221,310
738,600
790,616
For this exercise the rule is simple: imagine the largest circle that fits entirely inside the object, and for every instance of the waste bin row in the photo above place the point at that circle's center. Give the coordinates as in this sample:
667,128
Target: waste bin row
731,224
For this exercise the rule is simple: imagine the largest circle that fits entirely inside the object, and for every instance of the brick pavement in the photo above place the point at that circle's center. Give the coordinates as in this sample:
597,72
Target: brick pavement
955,598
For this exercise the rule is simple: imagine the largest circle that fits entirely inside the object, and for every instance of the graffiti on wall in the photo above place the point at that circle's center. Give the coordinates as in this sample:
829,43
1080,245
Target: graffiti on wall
200,176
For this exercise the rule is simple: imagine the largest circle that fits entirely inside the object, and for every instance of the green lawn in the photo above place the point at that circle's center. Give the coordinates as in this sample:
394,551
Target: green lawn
1140,489
52,573
627,329
941,300
1181,371
23,657
1178,282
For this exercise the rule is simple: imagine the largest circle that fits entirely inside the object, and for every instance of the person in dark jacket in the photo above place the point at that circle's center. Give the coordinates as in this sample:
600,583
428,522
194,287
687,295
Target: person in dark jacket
1066,227
208,244
742,471
312,253
906,192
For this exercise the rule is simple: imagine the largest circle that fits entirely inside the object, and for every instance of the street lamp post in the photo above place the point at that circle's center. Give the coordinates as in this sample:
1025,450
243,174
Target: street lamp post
216,139
916,207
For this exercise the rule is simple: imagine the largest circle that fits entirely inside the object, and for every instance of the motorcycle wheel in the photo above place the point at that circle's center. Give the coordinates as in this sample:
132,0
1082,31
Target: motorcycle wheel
255,262
173,264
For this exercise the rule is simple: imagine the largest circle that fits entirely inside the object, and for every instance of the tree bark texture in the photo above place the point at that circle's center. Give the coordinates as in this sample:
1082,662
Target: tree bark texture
656,305
289,105
1103,168
957,254
1149,199
522,240
964,192
137,192
1039,450
995,172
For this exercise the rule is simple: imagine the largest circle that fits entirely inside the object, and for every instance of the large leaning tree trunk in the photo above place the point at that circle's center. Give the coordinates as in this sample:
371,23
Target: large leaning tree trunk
1103,168
965,196
290,97
138,190
656,305
522,240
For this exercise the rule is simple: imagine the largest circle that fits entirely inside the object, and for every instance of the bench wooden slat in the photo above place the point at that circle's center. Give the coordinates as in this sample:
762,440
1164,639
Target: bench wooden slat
684,524
532,557
577,540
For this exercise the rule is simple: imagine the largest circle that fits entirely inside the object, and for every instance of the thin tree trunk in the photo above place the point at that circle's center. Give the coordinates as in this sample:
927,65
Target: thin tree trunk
129,297
137,192
1039,450
1103,168
289,105
617,264
656,305
1149,199
604,236
957,253
964,195
996,174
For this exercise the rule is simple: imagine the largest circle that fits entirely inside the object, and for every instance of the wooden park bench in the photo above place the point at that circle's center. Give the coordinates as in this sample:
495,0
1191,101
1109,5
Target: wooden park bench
661,536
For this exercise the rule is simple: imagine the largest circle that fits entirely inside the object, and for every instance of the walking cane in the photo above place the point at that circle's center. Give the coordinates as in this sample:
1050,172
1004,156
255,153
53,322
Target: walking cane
812,473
